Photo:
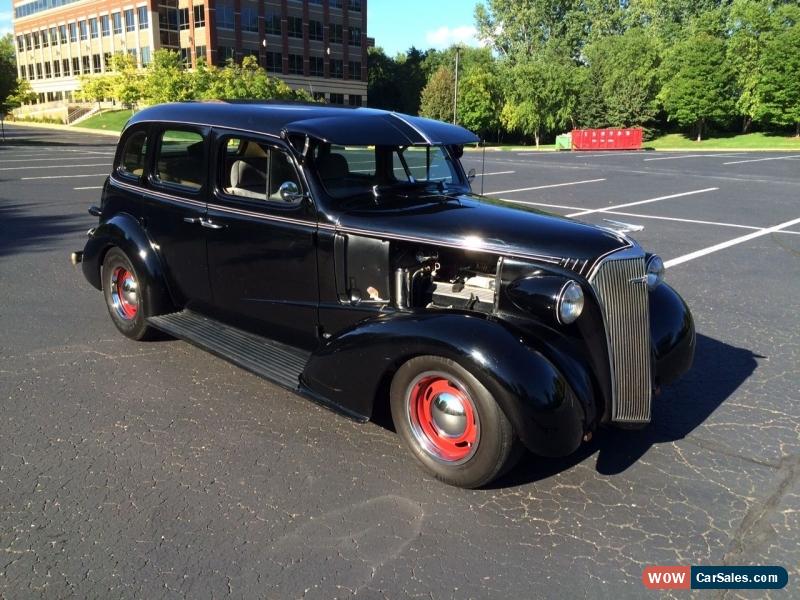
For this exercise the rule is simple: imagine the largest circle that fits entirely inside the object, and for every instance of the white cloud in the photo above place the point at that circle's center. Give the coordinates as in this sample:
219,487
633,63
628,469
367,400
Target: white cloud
445,36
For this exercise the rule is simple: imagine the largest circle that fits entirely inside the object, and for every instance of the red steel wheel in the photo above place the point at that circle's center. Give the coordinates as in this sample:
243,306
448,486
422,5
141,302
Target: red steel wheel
443,417
124,293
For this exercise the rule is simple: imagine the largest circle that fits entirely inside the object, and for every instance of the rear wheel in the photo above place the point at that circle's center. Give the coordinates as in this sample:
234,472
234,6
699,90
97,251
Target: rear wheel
450,422
124,291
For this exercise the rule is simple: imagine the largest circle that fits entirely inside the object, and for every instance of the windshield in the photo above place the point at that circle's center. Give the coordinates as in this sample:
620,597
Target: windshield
355,171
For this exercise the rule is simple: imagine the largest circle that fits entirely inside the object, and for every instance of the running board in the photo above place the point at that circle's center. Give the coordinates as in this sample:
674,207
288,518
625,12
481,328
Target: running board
272,360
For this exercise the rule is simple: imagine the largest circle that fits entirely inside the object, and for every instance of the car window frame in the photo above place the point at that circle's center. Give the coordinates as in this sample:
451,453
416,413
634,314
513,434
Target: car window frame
266,205
118,171
157,133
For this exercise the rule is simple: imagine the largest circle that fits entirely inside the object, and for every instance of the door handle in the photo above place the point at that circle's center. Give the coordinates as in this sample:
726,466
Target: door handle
210,224
191,219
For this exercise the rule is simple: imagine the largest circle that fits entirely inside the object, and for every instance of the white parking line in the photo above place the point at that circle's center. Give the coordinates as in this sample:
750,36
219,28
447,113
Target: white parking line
64,176
52,167
32,159
729,243
648,201
494,173
739,162
687,156
529,203
89,187
543,187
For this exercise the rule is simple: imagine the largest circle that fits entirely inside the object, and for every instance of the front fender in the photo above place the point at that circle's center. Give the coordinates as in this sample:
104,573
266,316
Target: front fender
536,396
125,232
672,334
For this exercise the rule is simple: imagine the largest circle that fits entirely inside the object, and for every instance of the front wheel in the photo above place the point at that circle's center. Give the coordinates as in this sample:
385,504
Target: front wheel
451,423
125,294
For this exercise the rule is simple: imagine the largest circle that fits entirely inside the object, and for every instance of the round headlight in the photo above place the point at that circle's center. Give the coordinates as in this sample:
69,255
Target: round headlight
655,271
570,303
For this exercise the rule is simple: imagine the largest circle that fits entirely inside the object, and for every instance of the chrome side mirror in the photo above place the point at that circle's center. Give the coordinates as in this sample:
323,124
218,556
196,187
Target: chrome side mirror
289,192
471,175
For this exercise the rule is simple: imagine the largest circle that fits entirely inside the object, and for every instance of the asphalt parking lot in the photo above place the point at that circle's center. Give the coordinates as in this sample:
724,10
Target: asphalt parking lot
157,470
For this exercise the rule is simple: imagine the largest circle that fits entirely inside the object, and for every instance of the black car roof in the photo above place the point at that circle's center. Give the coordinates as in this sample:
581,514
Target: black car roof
335,124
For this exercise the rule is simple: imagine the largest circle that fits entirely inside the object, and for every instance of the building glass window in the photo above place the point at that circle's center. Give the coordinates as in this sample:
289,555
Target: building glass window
199,16
65,66
355,70
56,69
38,70
355,6
200,53
85,67
82,27
183,19
355,36
186,56
47,72
144,17
145,55
274,62
96,66
335,33
130,24
116,18
316,66
336,98
272,24
250,19
36,42
45,39
53,36
224,54
295,27
30,71
94,28
76,65
336,4
225,18
296,64
337,69
20,43
105,26
315,30
107,61
62,34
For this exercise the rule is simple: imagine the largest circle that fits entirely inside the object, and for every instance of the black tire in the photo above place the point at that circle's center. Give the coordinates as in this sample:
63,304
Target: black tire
494,449
132,324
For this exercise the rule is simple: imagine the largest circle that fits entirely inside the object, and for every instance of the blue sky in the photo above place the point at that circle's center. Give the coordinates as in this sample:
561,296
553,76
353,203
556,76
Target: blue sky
395,25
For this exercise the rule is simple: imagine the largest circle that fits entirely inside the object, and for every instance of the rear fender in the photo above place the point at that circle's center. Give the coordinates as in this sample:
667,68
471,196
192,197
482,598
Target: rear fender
536,396
126,233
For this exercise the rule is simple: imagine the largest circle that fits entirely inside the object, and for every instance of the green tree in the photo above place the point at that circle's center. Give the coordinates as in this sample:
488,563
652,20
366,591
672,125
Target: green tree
622,80
245,81
521,29
479,101
777,92
383,85
166,79
698,85
8,73
126,80
541,95
438,94
94,88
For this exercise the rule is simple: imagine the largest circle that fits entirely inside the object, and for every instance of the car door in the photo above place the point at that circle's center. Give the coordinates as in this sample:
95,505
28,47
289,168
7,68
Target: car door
174,202
262,250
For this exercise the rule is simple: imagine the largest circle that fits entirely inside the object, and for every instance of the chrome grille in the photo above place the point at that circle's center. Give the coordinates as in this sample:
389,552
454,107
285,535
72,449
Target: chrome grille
622,288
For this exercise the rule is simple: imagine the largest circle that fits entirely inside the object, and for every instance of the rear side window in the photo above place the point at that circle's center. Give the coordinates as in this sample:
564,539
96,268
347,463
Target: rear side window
257,171
133,154
179,161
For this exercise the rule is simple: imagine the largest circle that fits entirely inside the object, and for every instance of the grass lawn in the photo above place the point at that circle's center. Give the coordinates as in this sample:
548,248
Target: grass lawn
112,120
748,141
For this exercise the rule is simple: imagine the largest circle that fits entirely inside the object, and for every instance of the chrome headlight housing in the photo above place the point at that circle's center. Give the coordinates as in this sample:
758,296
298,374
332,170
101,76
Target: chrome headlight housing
570,303
655,271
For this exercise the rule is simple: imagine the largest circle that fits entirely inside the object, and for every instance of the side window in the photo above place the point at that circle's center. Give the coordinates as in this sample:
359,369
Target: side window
133,155
179,161
257,171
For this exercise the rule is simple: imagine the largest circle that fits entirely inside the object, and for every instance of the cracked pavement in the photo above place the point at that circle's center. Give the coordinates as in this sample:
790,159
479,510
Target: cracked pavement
157,470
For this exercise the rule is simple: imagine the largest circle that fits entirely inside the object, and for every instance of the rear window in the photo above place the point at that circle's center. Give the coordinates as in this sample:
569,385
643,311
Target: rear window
133,154
180,159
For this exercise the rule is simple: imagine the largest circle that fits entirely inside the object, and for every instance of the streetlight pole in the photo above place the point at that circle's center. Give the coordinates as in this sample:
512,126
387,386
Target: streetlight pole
455,93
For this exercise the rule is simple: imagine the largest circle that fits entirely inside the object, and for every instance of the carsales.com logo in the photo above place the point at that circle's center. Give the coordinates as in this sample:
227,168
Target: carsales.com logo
715,578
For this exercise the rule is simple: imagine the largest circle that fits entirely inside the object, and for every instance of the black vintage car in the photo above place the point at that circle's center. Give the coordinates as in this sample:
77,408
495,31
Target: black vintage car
341,253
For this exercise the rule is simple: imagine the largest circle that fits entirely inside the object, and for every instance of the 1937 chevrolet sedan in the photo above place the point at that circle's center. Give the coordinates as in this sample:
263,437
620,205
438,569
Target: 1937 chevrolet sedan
341,253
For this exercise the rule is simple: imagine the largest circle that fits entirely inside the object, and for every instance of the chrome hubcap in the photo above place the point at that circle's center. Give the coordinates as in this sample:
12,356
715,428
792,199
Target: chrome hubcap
124,293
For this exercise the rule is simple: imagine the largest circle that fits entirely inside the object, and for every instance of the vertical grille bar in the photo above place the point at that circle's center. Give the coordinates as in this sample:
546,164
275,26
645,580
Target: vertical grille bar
622,290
